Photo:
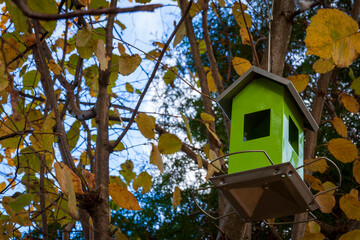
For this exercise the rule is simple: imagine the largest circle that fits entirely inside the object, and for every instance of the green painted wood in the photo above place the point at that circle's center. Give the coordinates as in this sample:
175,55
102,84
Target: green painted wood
259,95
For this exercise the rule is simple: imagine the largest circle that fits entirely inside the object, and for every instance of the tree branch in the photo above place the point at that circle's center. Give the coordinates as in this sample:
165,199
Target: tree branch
78,13
118,140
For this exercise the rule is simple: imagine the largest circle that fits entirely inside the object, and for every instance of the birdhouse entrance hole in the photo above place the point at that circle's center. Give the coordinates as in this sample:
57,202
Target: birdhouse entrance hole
256,125
293,136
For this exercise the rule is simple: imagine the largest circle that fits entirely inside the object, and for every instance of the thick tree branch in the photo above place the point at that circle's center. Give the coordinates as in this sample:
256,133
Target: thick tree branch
213,64
79,13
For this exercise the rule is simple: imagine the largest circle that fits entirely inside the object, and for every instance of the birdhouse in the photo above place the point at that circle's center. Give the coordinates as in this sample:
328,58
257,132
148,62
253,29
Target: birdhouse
266,114
268,119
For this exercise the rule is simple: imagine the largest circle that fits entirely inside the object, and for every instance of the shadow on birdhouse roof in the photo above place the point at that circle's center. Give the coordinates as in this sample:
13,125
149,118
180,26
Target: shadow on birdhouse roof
225,99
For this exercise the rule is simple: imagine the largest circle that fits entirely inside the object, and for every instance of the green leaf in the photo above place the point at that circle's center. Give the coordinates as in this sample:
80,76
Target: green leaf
170,75
180,34
129,88
73,134
83,37
146,125
169,143
45,6
62,212
143,180
31,79
355,85
119,147
202,46
18,18
138,91
127,171
98,4
84,159
21,201
187,125
143,1
128,64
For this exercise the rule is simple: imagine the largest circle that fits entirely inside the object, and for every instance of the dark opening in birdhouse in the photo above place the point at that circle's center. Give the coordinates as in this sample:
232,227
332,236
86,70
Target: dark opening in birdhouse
293,136
256,125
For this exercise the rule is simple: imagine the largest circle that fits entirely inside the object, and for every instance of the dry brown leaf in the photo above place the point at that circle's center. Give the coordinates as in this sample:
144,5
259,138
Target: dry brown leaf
319,166
350,103
300,81
176,197
323,65
340,126
123,198
54,67
327,202
155,158
356,171
89,178
216,164
350,205
60,169
101,55
343,150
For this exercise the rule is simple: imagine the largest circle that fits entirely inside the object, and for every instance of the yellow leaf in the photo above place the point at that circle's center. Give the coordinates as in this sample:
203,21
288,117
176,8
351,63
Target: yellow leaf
169,143
213,133
356,171
155,158
343,150
146,125
211,82
143,180
300,81
60,171
315,183
333,34
3,77
236,10
216,164
313,236
187,125
83,37
245,36
339,127
122,197
207,117
350,103
2,186
323,65
56,69
355,234
101,55
199,161
10,49
176,197
13,184
350,205
318,166
313,227
21,217
328,185
241,65
129,88
207,150
128,64
327,202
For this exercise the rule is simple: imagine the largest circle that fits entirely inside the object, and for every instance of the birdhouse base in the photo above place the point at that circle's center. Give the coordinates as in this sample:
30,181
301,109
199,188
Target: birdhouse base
268,192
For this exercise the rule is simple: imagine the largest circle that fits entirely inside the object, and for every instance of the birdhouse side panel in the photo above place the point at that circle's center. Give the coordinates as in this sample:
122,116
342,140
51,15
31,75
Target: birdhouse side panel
293,134
256,124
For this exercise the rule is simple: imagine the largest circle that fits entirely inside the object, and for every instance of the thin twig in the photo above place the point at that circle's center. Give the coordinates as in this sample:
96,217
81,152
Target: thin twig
79,13
151,78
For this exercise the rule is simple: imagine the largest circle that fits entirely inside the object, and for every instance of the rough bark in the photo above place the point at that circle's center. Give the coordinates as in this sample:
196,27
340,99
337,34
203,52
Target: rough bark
102,153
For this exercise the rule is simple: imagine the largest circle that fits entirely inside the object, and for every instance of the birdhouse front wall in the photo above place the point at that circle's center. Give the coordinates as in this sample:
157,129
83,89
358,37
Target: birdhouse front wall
265,117
259,106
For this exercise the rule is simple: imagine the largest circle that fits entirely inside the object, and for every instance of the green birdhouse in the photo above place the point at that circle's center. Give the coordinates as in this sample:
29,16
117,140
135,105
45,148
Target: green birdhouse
267,114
